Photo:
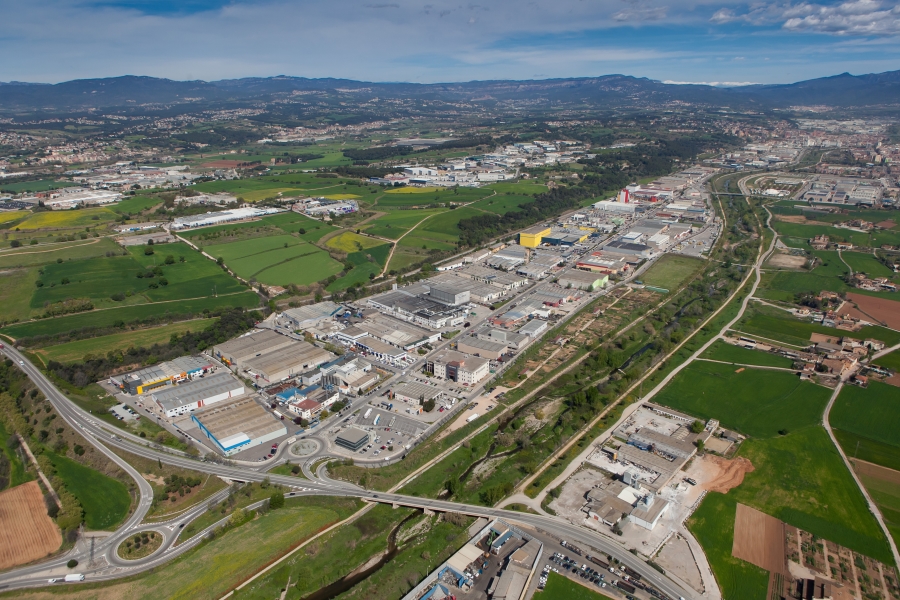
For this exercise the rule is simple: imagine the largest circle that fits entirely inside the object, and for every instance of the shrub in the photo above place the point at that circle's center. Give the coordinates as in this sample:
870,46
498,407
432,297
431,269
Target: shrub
72,563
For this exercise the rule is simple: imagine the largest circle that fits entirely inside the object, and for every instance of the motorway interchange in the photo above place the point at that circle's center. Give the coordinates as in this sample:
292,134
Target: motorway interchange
99,558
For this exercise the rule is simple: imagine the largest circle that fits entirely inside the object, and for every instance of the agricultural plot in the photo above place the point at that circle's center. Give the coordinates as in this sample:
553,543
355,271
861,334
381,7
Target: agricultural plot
518,187
874,239
713,526
312,230
41,185
743,356
16,287
365,262
502,203
105,500
128,314
873,413
30,256
352,242
71,352
13,215
864,448
883,486
394,224
404,197
61,219
136,204
196,277
276,260
440,231
889,361
868,264
671,271
778,325
758,403
26,532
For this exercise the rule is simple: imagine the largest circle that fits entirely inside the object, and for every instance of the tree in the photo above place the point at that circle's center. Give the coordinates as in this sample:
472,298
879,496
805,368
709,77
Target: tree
15,244
170,260
697,427
148,250
428,405
700,445
276,501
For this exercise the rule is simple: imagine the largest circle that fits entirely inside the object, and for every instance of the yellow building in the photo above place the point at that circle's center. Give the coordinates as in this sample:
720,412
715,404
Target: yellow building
531,238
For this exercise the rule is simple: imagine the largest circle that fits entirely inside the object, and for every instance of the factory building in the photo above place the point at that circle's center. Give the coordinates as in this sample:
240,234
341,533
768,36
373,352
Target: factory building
531,237
533,328
583,280
616,207
513,340
413,392
235,352
162,375
307,317
458,367
288,361
197,393
421,310
383,352
222,217
483,348
238,425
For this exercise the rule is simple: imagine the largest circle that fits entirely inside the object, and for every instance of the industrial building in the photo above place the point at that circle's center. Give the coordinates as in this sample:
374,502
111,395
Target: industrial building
505,281
647,439
483,348
383,352
222,217
611,501
563,236
413,392
458,367
352,439
235,352
238,425
397,333
534,328
421,310
616,207
290,360
197,393
583,280
512,339
307,317
161,375
622,246
531,237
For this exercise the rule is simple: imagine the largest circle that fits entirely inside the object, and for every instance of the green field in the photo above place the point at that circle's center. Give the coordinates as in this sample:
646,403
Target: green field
502,203
61,219
869,450
757,402
16,287
276,260
801,479
889,361
778,325
76,351
875,239
394,224
293,222
41,185
127,314
352,242
136,204
873,412
560,587
518,187
17,471
362,267
735,354
887,496
671,271
868,264
713,526
30,256
105,500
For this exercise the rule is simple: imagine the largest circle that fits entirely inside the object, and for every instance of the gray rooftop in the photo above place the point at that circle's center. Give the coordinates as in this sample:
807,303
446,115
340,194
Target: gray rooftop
196,390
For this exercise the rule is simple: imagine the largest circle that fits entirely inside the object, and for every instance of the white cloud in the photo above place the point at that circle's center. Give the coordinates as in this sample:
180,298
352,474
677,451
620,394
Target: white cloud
853,17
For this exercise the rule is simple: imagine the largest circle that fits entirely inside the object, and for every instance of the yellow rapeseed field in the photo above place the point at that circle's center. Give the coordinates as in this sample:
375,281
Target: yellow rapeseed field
347,242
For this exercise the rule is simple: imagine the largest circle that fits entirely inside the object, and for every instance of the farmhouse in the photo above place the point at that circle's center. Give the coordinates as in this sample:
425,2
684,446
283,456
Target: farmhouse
238,424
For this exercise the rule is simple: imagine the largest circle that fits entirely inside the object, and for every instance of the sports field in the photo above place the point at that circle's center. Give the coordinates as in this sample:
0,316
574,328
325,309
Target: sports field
276,260
105,500
671,271
743,356
76,351
755,402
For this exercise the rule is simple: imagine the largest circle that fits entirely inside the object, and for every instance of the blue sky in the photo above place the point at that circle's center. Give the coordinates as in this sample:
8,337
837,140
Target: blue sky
713,41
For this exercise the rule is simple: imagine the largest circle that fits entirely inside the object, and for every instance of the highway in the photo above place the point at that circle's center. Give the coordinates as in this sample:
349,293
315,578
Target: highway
108,566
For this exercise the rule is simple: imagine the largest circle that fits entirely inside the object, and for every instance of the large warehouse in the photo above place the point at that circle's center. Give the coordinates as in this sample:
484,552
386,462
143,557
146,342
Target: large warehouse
583,280
194,394
237,425
288,361
235,352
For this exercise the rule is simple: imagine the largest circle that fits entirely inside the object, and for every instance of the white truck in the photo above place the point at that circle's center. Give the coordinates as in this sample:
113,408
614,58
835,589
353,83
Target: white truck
472,417
73,577
368,412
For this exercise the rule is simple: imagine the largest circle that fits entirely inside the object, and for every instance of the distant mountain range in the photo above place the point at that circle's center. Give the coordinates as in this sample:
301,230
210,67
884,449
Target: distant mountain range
845,90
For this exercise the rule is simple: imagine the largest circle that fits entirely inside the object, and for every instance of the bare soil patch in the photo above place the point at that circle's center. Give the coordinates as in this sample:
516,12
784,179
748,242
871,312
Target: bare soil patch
876,471
886,311
787,261
676,557
889,224
731,473
26,532
759,539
